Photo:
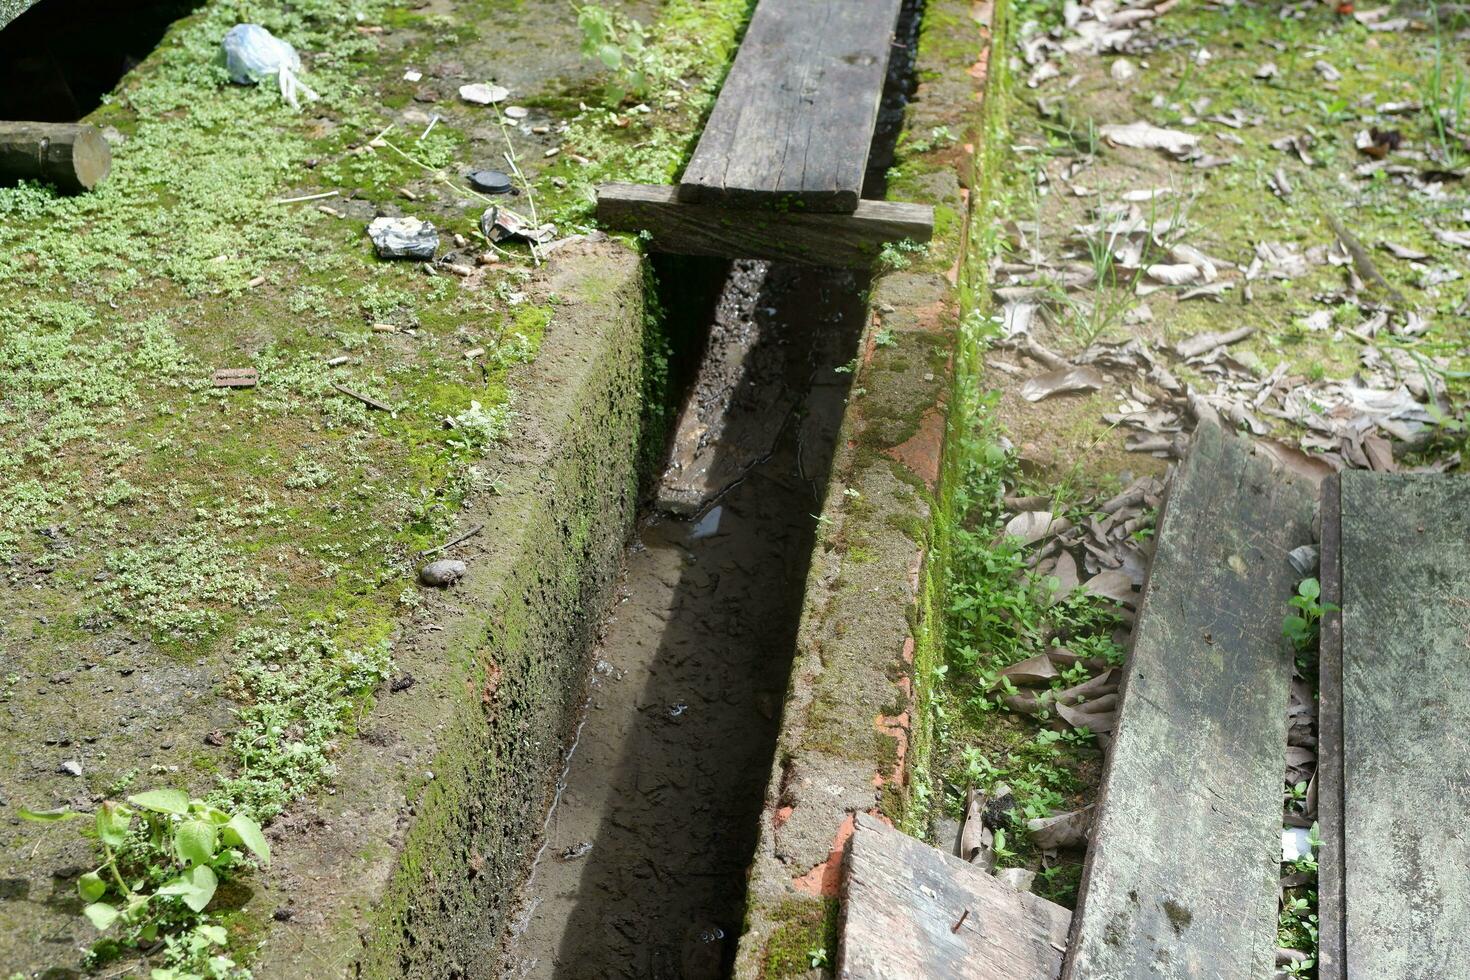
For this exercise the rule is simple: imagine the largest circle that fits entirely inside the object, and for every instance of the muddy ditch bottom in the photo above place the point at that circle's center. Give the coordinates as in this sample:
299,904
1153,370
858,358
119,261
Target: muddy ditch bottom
643,869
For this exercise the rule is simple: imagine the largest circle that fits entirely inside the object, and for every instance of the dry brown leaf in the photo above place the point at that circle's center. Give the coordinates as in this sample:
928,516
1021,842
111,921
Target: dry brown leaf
1031,671
1146,136
1063,830
1111,584
1061,380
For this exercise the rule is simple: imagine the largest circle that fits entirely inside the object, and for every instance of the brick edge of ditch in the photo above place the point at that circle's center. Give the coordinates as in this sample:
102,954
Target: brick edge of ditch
848,716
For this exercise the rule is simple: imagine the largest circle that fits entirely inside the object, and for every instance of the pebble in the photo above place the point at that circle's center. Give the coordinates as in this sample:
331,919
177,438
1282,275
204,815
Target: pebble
71,767
517,111
442,573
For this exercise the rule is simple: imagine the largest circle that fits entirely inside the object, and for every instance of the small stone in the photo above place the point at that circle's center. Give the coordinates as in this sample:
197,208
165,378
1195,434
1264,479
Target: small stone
442,573
1123,70
71,767
516,112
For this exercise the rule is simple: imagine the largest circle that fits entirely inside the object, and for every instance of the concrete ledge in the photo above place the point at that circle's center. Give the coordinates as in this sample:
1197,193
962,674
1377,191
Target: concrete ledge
846,726
404,871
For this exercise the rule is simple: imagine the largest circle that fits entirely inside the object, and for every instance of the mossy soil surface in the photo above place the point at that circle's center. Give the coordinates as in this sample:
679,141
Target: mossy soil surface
205,584
1373,108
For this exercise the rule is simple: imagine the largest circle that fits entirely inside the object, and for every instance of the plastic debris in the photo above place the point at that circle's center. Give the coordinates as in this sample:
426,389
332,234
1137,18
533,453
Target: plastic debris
403,238
253,54
500,225
482,94
1303,559
1296,842
490,181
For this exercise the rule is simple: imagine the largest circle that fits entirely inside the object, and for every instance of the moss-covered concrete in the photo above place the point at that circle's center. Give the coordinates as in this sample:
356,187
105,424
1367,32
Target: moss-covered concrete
406,868
845,744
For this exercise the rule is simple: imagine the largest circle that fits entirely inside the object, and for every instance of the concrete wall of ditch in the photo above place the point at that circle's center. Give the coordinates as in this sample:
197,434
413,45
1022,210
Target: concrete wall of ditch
847,741
406,869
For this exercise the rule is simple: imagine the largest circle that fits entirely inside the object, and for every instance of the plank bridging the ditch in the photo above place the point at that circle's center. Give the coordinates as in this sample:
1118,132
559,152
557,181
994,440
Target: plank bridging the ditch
915,913
817,238
795,119
1396,893
1181,879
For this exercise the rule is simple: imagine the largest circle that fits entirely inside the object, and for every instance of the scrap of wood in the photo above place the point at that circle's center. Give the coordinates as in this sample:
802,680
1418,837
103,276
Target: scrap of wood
913,912
1331,941
236,378
1404,756
809,238
369,402
453,541
794,121
1362,261
1183,867
73,156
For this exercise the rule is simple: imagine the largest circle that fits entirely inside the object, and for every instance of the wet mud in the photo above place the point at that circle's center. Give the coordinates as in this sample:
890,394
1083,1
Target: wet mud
642,873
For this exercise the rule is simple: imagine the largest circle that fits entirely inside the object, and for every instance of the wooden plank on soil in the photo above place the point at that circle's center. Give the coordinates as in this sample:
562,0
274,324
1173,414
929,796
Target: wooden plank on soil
915,913
1405,753
1181,878
794,121
1329,741
837,240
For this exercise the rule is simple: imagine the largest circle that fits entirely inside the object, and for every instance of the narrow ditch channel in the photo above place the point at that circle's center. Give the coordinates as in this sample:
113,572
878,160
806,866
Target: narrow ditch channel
642,870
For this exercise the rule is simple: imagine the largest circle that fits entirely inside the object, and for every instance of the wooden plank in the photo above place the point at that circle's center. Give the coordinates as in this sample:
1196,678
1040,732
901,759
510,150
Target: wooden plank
838,240
912,912
794,122
1330,938
1181,879
1405,725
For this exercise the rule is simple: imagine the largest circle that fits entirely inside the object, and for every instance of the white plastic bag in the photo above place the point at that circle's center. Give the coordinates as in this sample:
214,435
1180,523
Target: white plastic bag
253,53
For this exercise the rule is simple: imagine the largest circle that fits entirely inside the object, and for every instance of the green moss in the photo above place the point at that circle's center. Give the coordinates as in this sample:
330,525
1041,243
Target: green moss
804,928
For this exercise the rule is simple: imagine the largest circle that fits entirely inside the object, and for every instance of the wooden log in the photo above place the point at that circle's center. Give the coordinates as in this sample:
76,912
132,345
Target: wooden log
1182,876
824,239
73,156
1405,737
915,913
794,122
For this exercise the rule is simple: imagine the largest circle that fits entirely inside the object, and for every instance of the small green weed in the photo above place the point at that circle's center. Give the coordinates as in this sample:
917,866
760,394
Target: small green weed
163,858
620,44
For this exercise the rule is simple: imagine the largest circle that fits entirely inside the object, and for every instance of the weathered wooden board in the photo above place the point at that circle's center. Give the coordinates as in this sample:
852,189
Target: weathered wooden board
912,912
794,121
1181,878
1405,754
1329,741
837,240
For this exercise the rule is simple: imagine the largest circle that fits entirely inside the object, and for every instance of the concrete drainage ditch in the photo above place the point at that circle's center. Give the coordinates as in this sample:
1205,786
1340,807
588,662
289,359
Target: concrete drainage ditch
642,869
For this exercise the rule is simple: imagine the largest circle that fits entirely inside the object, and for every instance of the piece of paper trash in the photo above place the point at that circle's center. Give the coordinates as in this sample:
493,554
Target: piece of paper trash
253,54
482,93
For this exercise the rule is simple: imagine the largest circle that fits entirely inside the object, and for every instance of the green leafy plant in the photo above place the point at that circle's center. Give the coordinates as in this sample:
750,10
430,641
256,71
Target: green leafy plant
1301,627
619,43
163,858
817,957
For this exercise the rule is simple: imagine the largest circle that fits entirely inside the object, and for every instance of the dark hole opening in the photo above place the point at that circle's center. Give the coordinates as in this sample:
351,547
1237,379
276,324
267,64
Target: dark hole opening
60,57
